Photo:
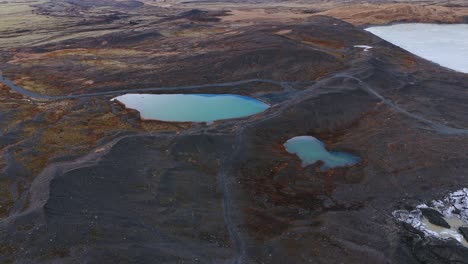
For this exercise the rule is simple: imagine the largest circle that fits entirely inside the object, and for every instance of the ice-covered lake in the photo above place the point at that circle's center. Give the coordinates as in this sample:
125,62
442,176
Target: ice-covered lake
446,45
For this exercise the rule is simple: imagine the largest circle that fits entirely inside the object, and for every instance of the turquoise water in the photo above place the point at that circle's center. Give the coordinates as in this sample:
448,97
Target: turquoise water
192,107
310,150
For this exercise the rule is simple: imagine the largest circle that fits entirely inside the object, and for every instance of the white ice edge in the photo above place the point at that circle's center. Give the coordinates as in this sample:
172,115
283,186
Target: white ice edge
449,206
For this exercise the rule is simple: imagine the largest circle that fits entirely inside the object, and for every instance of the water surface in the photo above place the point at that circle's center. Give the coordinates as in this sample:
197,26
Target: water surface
446,233
310,150
446,45
453,207
192,107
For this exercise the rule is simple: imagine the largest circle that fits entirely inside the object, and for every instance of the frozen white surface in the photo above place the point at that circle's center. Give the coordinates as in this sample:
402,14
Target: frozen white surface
365,47
454,207
446,45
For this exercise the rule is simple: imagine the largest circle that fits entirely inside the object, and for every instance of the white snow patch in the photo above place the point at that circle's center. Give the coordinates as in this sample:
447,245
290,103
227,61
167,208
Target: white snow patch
365,47
454,207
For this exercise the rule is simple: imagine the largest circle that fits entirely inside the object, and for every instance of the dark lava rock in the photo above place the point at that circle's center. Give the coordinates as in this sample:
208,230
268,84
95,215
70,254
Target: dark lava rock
229,192
148,198
434,217
106,3
202,16
464,231
438,252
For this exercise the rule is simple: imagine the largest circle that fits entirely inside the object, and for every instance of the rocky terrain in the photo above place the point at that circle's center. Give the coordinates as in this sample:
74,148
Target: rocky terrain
84,180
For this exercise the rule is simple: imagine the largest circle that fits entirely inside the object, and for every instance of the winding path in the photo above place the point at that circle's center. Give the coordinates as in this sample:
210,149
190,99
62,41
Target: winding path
230,218
438,127
37,96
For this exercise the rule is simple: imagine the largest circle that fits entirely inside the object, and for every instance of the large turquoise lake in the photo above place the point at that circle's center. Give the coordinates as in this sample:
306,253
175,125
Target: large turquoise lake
310,150
192,107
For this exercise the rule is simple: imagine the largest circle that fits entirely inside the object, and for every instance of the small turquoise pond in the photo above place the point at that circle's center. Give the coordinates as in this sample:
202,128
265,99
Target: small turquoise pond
192,107
310,150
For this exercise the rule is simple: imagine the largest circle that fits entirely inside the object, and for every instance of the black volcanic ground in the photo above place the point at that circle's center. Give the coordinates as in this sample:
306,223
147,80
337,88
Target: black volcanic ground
84,180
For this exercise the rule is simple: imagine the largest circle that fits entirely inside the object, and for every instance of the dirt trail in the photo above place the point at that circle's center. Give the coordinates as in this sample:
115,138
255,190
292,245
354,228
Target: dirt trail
41,97
440,128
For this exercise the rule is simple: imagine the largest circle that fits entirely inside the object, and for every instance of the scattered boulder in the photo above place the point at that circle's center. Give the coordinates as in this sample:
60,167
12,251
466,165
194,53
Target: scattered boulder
434,217
464,231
